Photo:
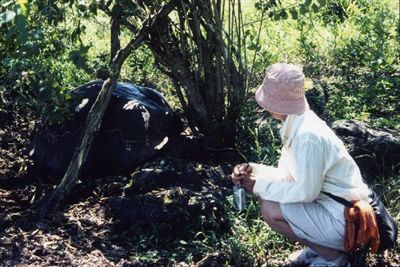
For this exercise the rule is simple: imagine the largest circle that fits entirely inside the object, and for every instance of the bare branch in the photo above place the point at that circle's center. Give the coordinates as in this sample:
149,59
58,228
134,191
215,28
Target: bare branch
115,30
143,33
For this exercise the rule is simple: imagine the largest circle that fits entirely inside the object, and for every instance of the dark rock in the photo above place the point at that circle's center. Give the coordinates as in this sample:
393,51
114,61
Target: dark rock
137,126
202,149
173,193
376,150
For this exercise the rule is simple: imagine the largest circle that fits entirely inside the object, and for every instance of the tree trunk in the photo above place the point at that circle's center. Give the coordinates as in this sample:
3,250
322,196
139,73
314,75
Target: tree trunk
194,50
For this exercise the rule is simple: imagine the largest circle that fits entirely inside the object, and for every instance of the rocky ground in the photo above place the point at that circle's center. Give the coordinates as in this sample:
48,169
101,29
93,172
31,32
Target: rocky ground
98,222
103,221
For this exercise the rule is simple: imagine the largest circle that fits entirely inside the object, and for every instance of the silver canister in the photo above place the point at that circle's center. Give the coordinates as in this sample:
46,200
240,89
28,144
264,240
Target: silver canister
239,197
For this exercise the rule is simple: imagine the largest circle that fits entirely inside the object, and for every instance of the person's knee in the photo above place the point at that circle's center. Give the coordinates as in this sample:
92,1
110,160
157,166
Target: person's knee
271,212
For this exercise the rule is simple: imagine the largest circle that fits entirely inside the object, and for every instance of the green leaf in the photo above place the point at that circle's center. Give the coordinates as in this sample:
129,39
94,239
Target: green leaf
283,14
38,34
23,5
30,48
93,7
82,7
322,3
303,9
21,26
307,2
314,7
254,46
6,4
79,57
11,32
294,13
6,16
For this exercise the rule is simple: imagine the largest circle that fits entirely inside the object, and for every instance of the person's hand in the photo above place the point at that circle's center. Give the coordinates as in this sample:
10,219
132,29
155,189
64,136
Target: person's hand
243,174
240,171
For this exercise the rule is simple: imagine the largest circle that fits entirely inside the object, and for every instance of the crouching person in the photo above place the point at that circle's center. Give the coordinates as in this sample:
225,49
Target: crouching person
313,161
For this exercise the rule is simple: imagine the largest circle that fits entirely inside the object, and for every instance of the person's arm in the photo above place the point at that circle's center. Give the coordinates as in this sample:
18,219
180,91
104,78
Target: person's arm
270,173
245,174
307,174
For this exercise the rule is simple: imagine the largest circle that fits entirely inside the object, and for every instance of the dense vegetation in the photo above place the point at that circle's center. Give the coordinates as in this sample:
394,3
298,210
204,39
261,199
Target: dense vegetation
350,52
348,48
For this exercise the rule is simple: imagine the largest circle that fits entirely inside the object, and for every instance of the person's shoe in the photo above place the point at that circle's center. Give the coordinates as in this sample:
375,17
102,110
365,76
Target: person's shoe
302,257
341,261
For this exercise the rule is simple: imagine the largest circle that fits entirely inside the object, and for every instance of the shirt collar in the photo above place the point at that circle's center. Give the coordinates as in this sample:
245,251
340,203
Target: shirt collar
289,128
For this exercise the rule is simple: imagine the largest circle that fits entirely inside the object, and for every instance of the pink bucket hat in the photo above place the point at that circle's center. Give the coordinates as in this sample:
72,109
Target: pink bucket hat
282,90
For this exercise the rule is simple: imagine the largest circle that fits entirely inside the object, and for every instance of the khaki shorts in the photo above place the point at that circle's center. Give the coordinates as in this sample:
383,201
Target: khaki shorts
313,222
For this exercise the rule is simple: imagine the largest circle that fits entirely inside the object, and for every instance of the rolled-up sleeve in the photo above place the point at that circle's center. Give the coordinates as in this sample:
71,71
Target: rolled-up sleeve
303,181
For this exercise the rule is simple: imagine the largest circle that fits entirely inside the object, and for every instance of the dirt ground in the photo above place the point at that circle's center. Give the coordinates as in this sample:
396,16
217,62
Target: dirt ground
78,235
91,227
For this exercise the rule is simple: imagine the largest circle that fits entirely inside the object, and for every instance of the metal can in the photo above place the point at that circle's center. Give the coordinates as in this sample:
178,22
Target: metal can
239,197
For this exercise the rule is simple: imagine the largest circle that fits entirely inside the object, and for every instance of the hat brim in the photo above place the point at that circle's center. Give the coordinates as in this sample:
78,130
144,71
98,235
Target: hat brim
280,105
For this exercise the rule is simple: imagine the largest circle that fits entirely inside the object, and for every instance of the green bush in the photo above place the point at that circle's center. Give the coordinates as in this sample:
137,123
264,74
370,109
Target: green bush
361,66
36,68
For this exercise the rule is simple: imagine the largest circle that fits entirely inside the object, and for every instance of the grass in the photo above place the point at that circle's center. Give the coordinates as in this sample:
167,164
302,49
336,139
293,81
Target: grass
245,239
249,241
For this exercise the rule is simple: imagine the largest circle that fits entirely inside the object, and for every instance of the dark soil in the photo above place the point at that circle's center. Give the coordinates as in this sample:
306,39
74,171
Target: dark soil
102,222
99,223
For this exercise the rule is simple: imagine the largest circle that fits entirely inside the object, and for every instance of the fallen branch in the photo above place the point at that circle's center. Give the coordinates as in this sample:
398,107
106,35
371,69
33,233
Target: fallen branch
93,122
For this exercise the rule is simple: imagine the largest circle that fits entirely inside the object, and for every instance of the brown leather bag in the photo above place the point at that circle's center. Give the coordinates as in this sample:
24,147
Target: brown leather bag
361,227
385,225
